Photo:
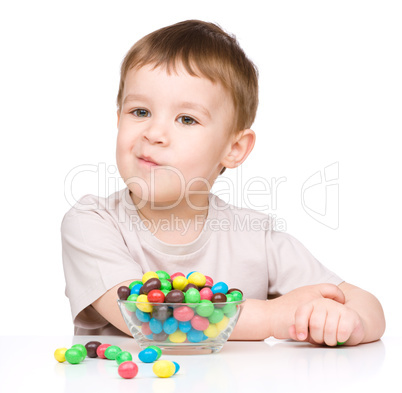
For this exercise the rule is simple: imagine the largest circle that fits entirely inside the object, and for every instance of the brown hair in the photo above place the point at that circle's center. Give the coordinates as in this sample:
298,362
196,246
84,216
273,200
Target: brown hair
204,48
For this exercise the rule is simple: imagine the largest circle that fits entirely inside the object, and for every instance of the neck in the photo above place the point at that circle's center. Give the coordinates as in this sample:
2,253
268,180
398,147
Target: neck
173,214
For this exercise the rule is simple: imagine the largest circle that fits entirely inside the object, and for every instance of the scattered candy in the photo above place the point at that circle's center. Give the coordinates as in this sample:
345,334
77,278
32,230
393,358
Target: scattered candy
164,368
123,356
128,370
112,351
81,348
177,367
100,351
148,355
59,354
91,348
73,355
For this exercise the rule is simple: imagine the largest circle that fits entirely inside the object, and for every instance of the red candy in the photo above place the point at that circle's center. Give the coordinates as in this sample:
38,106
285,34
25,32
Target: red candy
174,275
199,323
183,313
156,296
128,370
145,329
206,294
209,281
100,351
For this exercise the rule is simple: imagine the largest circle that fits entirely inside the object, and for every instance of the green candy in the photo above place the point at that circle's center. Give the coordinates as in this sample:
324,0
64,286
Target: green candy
73,355
131,306
162,275
123,356
157,349
165,285
229,298
112,352
205,308
216,316
237,296
192,296
135,283
229,310
82,349
340,343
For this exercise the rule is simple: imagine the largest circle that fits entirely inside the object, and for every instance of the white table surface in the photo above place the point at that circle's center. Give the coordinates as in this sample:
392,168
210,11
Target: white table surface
27,364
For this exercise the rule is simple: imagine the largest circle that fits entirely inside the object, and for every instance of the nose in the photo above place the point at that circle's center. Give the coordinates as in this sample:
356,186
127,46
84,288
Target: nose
156,132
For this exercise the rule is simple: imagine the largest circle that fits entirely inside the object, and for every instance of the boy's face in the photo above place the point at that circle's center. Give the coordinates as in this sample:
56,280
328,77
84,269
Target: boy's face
179,121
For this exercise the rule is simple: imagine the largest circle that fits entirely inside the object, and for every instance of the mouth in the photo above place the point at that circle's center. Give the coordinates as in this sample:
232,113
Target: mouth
147,161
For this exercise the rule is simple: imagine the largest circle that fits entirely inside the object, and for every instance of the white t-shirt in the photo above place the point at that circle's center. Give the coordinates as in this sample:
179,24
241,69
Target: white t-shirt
105,242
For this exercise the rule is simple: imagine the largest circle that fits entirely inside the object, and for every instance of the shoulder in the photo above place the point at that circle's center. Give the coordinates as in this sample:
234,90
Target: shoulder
93,208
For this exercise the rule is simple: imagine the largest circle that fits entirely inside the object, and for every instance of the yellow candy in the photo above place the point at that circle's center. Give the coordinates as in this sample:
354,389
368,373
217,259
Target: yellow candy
144,305
197,279
211,331
163,368
178,337
223,323
148,275
59,354
180,282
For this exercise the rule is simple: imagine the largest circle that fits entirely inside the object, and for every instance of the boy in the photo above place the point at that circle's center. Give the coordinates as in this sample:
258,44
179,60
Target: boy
188,96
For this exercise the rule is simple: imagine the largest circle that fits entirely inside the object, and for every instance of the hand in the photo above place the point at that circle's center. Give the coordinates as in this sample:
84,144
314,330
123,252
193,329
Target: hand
285,306
327,321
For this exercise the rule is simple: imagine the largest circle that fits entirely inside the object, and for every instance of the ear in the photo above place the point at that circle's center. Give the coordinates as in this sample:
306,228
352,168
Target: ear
118,117
241,146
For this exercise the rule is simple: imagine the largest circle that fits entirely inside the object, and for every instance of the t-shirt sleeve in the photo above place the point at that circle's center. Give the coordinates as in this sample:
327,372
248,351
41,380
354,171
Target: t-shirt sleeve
291,265
95,259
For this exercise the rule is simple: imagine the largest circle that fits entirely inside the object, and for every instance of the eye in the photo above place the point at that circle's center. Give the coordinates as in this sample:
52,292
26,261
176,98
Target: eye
141,113
187,120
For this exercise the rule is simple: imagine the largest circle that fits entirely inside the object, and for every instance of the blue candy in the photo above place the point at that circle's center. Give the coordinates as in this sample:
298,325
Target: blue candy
189,274
142,316
185,327
170,325
148,355
220,287
195,336
155,325
176,366
136,289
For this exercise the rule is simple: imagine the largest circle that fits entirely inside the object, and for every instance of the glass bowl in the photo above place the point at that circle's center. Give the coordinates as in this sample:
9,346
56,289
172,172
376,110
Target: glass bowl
181,328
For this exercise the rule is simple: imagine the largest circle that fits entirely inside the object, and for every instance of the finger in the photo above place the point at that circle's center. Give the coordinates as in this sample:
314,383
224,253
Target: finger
345,328
331,329
331,291
292,332
302,317
317,324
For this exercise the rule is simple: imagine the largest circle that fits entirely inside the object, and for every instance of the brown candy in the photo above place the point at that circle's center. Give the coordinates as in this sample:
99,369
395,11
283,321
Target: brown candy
123,292
149,285
235,289
91,348
160,336
174,296
162,312
188,286
218,298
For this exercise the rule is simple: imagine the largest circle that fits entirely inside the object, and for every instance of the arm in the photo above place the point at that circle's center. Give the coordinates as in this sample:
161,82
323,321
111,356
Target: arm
107,306
359,320
261,318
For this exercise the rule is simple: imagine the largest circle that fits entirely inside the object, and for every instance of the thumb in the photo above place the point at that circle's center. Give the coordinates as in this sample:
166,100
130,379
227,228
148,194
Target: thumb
331,291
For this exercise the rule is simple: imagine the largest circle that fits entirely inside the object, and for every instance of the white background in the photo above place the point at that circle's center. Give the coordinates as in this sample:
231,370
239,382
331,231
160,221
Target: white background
330,93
